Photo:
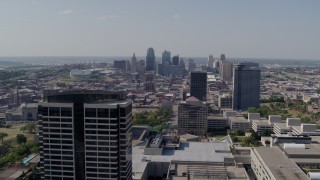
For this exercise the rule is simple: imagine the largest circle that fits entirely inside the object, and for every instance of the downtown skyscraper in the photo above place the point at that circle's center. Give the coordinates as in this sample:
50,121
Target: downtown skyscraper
150,60
246,86
85,135
198,85
164,67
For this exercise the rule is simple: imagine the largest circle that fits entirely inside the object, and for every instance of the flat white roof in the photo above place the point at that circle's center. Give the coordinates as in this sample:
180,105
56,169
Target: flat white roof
189,151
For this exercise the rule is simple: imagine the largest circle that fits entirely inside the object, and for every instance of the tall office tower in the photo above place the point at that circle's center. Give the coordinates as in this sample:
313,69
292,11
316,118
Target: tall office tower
150,60
134,63
246,87
166,69
226,70
182,63
192,117
222,57
191,65
216,64
160,69
198,85
85,135
166,56
175,60
210,61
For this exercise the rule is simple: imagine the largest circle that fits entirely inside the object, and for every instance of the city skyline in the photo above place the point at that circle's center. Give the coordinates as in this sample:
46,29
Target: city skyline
247,29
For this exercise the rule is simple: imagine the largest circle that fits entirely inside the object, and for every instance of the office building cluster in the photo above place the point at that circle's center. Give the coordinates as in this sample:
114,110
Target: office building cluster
103,120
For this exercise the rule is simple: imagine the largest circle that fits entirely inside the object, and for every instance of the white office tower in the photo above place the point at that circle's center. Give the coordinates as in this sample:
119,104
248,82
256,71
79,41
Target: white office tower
85,135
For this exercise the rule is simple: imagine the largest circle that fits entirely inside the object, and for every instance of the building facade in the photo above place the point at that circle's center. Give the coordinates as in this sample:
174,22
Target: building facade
133,63
246,87
150,60
85,135
198,85
192,117
175,60
210,61
226,70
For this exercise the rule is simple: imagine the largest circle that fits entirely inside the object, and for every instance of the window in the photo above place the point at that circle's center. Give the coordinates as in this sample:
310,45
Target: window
44,111
66,120
114,113
90,112
103,113
54,111
66,111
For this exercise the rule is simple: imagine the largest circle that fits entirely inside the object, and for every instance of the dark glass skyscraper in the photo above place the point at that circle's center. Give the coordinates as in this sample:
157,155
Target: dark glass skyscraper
150,60
85,135
246,86
198,85
175,60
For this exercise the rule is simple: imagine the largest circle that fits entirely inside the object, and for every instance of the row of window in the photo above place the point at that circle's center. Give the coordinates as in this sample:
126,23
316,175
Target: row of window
101,176
53,167
109,132
110,159
101,121
105,138
56,111
57,125
62,131
66,160
103,154
67,120
56,146
48,173
101,126
104,113
57,136
102,149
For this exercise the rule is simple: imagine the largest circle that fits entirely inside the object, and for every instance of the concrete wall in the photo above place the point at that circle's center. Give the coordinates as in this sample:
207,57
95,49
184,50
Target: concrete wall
156,169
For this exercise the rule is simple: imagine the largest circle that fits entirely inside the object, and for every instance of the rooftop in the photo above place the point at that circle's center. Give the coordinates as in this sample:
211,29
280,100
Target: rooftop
238,119
280,166
189,151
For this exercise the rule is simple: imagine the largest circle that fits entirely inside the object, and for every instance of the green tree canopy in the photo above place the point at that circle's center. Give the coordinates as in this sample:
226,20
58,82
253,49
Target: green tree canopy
21,138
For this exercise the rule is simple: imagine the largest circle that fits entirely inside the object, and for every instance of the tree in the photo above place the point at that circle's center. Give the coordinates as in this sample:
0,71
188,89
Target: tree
255,136
30,128
236,132
21,139
266,132
23,128
2,136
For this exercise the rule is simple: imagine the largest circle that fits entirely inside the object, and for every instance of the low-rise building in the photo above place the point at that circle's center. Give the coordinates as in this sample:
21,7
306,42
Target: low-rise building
261,125
25,112
192,117
239,122
225,101
217,122
271,163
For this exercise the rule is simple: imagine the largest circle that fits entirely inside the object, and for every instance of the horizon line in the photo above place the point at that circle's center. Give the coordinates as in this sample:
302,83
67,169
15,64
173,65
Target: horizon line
249,58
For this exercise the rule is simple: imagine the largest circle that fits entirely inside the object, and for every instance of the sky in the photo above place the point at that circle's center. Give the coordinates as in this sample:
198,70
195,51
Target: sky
287,29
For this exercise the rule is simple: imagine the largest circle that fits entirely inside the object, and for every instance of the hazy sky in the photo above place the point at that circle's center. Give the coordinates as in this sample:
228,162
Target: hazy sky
262,29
